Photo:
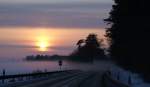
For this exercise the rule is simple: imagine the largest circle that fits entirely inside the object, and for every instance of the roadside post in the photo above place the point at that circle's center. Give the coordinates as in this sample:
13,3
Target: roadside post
4,73
60,62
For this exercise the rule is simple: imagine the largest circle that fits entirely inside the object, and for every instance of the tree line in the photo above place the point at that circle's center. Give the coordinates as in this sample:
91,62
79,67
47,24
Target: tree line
129,35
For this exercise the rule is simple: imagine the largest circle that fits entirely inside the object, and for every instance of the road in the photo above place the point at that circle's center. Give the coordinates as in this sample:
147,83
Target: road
69,79
74,78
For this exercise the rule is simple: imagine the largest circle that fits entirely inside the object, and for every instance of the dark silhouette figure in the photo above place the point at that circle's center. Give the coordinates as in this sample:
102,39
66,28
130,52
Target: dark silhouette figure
129,35
88,49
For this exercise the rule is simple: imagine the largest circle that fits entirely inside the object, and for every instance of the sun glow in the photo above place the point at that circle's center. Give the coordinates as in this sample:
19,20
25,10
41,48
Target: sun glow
43,46
28,40
43,41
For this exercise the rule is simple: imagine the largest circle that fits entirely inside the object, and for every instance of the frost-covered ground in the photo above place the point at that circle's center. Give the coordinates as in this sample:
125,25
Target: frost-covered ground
127,77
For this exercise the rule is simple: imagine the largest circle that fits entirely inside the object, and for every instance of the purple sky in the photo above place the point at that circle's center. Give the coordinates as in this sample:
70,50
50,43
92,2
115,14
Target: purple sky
55,1
54,15
19,17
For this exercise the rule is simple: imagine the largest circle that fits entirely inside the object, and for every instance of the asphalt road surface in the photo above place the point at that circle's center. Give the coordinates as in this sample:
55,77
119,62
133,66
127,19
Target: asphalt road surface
73,78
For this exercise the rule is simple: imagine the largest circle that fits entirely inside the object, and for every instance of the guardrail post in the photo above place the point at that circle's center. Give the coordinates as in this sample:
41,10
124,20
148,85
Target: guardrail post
4,73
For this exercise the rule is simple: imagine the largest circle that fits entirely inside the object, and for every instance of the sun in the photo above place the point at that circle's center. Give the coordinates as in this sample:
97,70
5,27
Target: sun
43,41
43,46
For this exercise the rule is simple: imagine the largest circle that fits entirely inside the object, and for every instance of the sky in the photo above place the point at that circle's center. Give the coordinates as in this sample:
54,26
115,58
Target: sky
20,42
48,26
55,1
80,15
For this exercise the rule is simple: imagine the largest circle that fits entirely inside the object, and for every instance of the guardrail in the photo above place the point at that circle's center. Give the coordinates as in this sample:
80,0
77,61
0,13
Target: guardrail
108,81
23,77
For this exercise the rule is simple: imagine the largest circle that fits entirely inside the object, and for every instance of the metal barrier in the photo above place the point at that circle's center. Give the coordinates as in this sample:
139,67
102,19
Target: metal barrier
23,77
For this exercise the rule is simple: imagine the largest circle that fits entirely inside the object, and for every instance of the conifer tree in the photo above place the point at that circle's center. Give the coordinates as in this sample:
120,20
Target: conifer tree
129,35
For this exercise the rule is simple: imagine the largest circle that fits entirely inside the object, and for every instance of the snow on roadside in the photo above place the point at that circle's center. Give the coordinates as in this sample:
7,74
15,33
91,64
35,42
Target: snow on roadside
127,77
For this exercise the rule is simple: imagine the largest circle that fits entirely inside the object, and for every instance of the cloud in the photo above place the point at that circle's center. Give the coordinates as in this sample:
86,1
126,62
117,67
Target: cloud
55,1
16,46
30,47
55,15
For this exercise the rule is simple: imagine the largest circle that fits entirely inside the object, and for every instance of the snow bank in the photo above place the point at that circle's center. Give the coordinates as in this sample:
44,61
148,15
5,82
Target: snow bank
127,77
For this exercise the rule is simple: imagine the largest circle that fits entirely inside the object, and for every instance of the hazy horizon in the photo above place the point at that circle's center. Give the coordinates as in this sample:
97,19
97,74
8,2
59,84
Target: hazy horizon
25,25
